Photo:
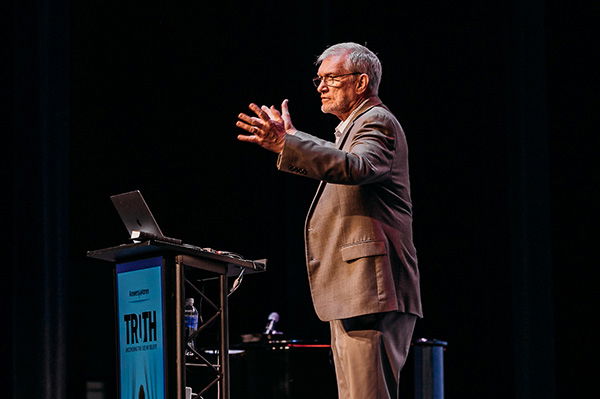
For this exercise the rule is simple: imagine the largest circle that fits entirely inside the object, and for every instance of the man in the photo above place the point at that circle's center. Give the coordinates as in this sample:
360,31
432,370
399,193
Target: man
361,261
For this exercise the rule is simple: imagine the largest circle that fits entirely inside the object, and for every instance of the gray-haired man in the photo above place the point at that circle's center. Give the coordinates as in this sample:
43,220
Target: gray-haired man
362,264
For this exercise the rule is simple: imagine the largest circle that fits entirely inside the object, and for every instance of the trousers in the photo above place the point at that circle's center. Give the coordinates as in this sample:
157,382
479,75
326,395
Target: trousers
368,353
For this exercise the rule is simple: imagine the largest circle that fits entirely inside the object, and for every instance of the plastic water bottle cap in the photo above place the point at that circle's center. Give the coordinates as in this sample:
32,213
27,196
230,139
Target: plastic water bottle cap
189,301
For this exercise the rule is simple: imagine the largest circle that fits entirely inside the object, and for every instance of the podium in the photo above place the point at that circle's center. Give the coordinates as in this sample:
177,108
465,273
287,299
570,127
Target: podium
151,279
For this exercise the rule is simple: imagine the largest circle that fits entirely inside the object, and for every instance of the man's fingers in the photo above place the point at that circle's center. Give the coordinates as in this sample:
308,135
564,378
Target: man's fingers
285,113
245,118
276,114
259,112
249,128
284,108
248,139
287,119
268,111
267,130
251,120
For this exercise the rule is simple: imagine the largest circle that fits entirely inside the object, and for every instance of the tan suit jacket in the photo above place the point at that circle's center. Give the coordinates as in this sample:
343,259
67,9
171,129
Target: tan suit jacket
358,234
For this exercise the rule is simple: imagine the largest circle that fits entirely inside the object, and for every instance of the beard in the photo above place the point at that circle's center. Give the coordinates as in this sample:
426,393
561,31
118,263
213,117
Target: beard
339,103
333,107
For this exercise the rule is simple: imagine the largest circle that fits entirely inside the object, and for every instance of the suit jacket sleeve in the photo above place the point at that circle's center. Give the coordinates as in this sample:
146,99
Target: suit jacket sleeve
368,159
317,140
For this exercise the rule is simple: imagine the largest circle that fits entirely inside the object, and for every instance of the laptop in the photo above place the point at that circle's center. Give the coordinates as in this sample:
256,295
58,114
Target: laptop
136,215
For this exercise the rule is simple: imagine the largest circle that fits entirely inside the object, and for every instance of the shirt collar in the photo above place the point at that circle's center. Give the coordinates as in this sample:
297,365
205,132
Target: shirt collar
339,130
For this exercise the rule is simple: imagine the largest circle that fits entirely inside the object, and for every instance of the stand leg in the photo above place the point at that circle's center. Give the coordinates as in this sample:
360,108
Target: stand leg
179,344
224,351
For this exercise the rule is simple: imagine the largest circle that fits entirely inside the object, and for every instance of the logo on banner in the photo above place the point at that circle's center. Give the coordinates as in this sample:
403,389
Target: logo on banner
140,328
139,295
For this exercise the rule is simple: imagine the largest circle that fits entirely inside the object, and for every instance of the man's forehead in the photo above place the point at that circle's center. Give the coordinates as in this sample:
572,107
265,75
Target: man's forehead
332,65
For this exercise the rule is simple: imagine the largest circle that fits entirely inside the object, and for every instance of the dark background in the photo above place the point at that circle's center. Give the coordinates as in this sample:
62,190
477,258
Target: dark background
106,97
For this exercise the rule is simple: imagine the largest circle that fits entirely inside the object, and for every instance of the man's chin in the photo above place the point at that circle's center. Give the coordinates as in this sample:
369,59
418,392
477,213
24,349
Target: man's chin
326,109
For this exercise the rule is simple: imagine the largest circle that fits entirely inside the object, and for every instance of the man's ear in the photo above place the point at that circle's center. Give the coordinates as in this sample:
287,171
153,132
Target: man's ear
362,83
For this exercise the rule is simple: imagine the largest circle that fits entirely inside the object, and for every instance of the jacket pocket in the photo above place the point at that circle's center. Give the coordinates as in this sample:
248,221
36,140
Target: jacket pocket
361,249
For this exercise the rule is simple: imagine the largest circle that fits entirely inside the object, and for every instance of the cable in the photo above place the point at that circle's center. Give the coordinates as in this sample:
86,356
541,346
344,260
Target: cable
237,283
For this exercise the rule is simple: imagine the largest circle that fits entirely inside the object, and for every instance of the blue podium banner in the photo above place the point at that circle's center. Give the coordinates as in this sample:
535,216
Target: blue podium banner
141,332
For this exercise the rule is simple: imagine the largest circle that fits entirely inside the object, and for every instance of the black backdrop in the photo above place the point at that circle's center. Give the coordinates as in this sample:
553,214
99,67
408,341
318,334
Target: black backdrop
111,96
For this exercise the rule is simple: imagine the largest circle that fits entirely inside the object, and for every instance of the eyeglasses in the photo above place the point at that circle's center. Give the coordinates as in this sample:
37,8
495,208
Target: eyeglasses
332,80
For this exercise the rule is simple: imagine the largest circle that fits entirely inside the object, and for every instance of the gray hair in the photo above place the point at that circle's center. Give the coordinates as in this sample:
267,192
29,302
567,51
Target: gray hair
360,59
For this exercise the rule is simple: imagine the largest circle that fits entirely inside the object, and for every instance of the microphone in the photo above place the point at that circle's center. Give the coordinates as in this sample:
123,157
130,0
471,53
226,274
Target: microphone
273,318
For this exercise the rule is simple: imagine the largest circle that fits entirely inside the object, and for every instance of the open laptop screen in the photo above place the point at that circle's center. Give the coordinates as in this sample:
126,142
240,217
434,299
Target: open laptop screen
135,214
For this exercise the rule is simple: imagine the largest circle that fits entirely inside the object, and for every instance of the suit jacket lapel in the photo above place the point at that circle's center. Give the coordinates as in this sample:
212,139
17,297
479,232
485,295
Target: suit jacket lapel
371,102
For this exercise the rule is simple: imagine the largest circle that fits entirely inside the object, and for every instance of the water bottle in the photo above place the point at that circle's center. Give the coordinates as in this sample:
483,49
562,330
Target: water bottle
191,323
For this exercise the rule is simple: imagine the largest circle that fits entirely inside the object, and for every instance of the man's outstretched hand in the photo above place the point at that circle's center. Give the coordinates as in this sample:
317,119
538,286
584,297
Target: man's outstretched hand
268,128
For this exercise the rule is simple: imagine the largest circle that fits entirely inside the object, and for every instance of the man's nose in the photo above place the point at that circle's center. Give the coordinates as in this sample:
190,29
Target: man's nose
322,87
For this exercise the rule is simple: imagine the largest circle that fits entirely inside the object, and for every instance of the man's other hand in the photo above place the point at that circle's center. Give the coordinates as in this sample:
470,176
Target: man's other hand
268,128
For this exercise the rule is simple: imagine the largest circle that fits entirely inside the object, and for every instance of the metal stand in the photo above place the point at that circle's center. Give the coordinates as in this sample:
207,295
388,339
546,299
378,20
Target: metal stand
221,369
